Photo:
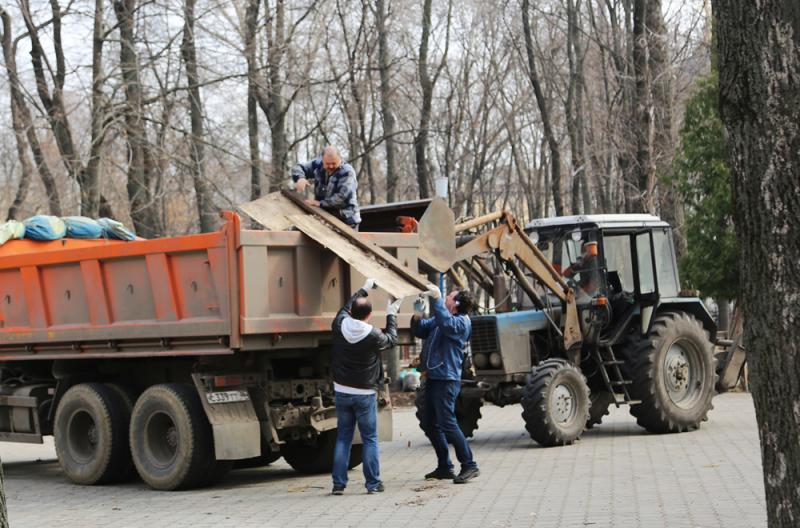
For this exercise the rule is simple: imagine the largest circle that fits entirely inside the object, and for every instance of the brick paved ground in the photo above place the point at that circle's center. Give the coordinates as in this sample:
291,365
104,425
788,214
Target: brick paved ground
617,476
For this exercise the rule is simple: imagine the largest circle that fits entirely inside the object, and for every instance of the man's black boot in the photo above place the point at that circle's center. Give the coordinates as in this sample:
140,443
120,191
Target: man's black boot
440,474
466,475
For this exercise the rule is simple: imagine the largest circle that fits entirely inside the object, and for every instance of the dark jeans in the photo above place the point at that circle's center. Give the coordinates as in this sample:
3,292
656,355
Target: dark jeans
352,409
440,424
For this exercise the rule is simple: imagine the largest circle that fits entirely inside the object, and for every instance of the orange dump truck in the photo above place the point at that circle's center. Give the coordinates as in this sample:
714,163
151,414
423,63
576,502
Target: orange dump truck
177,358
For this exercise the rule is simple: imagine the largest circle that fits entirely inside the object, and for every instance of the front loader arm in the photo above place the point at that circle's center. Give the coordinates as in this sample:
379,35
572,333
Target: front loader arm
509,242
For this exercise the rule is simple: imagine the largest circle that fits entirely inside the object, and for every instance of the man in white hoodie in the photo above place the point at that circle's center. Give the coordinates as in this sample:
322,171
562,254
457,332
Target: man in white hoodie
357,373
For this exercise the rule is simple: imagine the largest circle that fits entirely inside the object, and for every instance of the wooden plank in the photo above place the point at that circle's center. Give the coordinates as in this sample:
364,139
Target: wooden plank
334,225
364,261
271,211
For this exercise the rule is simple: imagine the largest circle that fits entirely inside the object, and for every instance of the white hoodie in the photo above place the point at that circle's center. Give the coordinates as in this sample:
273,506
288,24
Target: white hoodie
354,330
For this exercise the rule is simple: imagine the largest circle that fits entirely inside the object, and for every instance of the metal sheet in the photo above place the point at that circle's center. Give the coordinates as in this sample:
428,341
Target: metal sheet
360,259
437,236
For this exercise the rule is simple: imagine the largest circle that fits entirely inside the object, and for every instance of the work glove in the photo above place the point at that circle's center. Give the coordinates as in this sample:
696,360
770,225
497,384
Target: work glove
301,184
369,284
419,307
393,306
433,292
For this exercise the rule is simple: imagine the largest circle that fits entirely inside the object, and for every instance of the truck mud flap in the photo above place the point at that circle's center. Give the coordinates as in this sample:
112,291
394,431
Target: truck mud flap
237,431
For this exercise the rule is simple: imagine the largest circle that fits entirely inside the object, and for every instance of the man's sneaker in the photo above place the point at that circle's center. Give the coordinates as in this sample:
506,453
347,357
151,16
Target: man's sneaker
337,491
466,475
440,474
379,489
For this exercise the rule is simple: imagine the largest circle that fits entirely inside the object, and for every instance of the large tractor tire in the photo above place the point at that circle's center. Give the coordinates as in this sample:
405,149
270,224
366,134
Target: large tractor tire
555,403
468,411
171,438
599,404
674,373
318,458
91,435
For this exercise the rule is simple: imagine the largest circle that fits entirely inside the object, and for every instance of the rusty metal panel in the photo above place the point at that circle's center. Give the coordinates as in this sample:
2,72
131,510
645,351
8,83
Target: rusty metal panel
64,294
130,294
13,304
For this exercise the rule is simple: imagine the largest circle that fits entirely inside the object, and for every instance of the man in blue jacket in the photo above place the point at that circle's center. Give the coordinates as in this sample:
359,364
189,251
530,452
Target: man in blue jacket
335,185
446,334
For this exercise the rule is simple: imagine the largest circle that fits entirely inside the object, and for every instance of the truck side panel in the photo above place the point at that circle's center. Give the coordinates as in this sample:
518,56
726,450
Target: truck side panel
91,301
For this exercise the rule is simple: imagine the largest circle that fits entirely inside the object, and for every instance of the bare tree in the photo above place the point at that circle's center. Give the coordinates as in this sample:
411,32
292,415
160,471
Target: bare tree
146,219
544,111
759,68
427,84
24,122
205,205
387,106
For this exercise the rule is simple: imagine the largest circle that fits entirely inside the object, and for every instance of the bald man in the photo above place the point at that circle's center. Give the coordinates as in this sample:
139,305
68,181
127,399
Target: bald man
334,185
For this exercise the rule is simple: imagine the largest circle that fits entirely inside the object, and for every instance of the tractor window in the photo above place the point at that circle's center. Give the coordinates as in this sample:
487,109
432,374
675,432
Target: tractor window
645,261
617,251
665,264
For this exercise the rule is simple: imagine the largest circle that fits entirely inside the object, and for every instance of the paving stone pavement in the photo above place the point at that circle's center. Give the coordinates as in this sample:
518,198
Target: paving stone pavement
617,475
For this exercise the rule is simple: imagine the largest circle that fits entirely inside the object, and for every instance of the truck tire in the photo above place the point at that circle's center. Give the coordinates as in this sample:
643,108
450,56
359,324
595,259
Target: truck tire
555,403
468,411
674,374
128,396
91,435
318,458
171,438
599,402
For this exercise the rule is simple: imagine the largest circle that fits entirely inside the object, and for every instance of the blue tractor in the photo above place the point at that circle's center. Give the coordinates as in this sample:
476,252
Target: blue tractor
597,319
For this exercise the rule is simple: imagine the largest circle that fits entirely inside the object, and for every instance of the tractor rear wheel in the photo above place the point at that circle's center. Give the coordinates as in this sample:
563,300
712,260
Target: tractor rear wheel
673,375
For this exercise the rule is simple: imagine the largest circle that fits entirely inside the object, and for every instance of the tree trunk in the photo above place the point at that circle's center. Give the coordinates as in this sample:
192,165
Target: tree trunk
574,111
643,187
140,163
90,186
276,108
205,205
426,85
53,103
251,22
387,111
25,121
759,68
552,141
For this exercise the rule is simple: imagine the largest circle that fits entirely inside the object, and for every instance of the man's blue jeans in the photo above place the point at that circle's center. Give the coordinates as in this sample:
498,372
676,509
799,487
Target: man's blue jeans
352,409
440,424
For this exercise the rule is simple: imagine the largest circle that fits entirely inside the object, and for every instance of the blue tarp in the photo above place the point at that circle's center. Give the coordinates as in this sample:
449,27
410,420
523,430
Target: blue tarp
44,227
82,227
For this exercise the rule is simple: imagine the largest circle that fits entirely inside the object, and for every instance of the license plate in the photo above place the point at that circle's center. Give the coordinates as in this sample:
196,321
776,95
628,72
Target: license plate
227,396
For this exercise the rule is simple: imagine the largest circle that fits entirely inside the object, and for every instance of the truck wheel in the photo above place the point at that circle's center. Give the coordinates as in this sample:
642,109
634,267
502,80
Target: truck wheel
468,411
555,403
128,396
171,438
673,375
91,434
318,458
599,402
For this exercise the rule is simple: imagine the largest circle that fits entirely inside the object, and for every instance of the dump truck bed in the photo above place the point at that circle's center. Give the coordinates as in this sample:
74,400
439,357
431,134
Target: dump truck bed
213,293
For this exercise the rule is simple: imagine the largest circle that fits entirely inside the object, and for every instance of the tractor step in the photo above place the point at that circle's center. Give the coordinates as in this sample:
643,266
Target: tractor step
613,362
613,375
621,382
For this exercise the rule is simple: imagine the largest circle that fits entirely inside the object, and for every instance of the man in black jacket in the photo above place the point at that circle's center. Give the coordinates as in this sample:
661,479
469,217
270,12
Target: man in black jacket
357,373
